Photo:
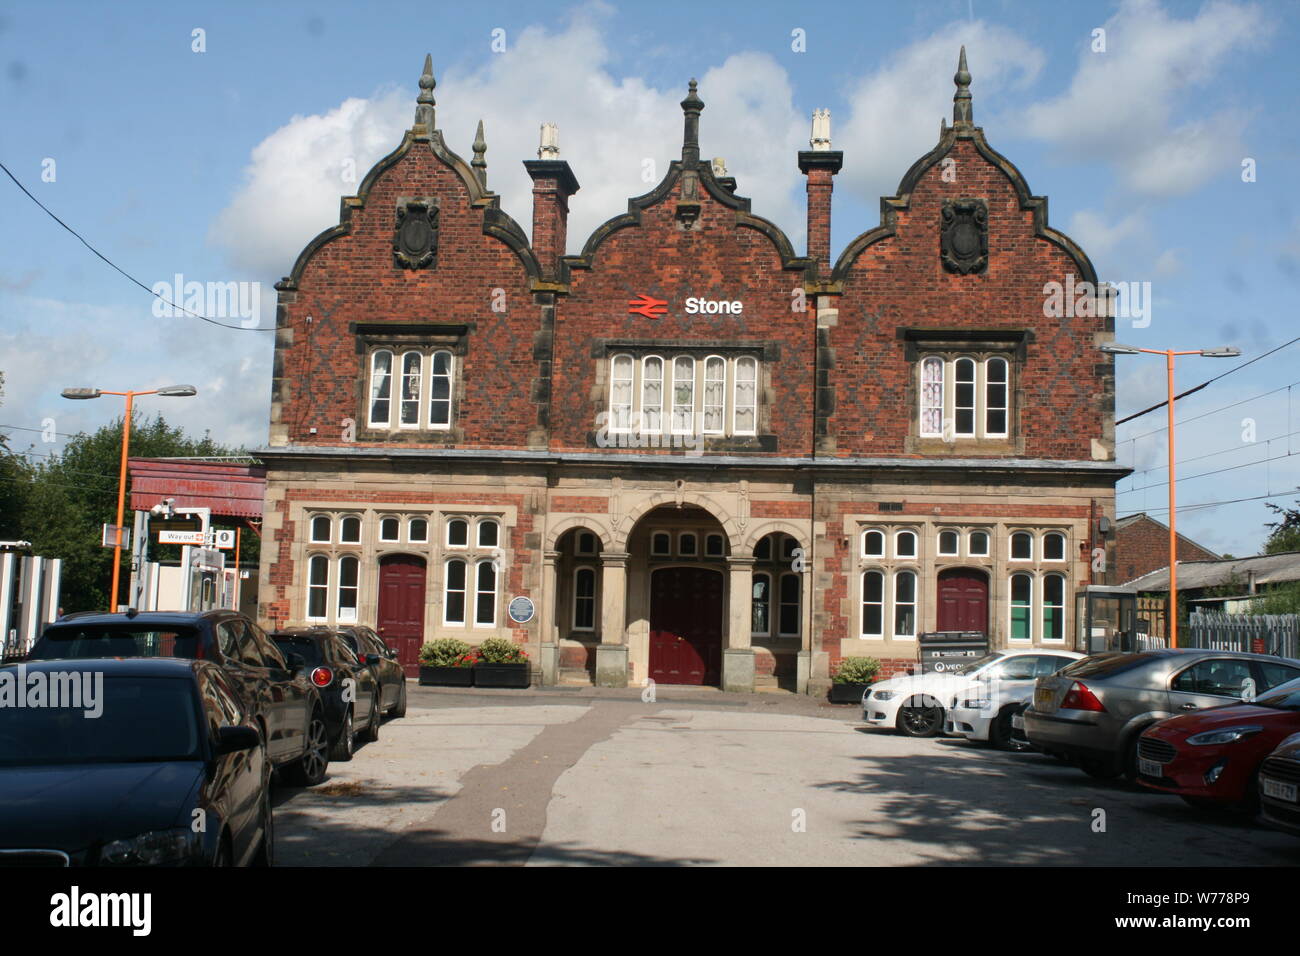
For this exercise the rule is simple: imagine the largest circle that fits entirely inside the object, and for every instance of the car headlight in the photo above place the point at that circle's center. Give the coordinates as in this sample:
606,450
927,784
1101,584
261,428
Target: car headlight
1226,736
155,848
882,694
977,703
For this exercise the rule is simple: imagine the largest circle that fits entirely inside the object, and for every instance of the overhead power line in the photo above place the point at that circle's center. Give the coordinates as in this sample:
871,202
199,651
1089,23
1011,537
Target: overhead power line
123,272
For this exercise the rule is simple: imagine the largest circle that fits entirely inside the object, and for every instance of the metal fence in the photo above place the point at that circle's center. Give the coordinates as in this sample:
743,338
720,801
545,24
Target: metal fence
1276,634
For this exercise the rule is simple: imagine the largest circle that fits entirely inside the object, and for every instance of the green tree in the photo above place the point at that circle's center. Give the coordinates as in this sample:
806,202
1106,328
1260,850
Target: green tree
14,478
1285,533
72,495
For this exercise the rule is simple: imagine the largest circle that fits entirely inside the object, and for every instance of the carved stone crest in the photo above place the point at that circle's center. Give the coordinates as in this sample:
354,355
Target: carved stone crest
415,241
964,237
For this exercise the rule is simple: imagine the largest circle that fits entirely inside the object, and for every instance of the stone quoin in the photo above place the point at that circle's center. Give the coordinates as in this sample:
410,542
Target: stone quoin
734,492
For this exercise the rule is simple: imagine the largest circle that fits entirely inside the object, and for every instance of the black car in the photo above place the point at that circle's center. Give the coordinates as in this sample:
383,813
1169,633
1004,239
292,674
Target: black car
348,688
137,763
382,659
286,706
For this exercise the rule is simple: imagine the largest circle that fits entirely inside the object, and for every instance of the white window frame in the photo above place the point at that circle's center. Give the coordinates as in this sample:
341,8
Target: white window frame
974,407
595,583
617,425
1012,605
714,362
398,521
989,407
1011,546
970,547
938,543
643,418
343,519
311,529
1043,606
781,604
418,400
1065,546
340,587
916,544
932,361
496,590
410,533
661,554
884,542
883,604
689,409
768,601
447,532
451,388
914,604
737,406
478,532
447,591
940,398
313,587
695,539
373,387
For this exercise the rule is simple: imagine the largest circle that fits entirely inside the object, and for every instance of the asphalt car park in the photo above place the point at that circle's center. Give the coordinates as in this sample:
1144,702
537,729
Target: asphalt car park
552,777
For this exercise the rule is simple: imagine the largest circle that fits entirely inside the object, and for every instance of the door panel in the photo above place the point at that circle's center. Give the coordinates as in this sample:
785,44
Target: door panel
686,626
963,600
401,608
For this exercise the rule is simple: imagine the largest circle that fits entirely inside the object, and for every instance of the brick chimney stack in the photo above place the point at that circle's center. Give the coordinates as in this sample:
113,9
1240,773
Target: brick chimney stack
820,164
553,184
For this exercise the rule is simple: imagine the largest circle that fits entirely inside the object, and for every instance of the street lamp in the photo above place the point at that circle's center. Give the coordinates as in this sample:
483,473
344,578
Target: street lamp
1115,348
172,391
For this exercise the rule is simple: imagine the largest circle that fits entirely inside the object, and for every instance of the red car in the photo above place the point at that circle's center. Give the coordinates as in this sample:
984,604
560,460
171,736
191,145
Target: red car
1211,758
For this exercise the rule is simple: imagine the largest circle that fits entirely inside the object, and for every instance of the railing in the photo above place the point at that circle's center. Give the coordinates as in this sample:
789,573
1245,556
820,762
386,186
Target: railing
1276,634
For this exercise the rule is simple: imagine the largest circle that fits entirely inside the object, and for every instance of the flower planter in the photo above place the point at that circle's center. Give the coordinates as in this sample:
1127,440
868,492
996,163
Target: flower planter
847,693
446,676
501,675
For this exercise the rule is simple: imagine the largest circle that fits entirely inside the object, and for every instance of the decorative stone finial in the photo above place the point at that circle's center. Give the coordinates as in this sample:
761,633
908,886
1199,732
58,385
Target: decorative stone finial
425,101
962,114
479,163
691,106
821,131
549,146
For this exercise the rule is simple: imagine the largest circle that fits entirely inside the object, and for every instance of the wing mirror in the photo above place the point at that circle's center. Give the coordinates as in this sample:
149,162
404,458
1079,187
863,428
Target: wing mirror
234,739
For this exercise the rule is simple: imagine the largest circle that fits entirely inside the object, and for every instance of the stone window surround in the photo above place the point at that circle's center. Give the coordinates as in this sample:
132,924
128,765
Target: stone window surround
399,337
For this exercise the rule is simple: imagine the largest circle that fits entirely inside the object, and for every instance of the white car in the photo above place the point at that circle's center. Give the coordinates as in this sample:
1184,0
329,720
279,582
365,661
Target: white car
986,708
915,705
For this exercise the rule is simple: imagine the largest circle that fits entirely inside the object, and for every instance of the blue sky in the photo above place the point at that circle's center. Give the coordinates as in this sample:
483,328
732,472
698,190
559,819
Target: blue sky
219,165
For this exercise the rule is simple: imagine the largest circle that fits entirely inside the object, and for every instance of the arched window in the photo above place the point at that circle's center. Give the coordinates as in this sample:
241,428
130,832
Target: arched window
318,587
873,604
1053,607
905,544
457,533
417,530
949,544
390,529
620,394
350,530
349,581
488,533
763,550
964,397
791,585
1022,607
412,376
995,398
905,604
745,406
453,601
485,595
652,394
715,546
381,388
761,606
1022,546
683,395
687,544
873,544
978,544
584,599
715,394
932,397
321,529
586,543
661,544
1053,546
440,390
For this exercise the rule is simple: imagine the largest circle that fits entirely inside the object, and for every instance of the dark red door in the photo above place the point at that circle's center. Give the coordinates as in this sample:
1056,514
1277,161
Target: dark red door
401,608
686,626
963,600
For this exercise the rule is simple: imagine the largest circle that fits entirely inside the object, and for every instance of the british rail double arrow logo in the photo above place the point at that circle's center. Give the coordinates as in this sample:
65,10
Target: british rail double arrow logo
648,306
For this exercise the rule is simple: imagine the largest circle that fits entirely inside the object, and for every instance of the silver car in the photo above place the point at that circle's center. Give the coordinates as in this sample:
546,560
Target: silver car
1093,711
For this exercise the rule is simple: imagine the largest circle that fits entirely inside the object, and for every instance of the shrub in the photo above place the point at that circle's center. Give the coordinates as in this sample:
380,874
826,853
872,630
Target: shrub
446,652
857,670
498,650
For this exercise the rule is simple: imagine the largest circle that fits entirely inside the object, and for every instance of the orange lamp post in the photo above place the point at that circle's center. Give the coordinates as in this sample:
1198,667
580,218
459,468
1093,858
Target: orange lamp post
176,391
1115,348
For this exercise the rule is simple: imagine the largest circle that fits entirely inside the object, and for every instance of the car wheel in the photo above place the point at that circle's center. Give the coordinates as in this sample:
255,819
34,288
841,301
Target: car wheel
265,855
371,733
309,769
1000,730
399,710
345,744
919,721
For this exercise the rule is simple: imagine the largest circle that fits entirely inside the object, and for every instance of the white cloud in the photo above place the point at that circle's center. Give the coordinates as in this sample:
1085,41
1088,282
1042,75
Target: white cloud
1099,235
894,112
609,128
1120,107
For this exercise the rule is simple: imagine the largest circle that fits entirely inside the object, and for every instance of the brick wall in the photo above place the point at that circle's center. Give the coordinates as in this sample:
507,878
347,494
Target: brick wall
1142,545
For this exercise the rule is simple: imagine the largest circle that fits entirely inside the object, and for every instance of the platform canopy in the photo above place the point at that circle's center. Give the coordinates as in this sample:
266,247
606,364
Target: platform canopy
232,488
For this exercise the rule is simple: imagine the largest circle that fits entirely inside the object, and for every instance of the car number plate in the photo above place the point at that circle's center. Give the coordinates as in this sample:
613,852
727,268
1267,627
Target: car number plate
1150,768
1042,697
1279,790
1017,721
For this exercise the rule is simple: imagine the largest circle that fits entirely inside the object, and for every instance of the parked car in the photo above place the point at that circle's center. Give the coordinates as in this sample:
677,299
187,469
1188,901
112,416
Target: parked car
914,705
348,688
1279,786
173,745
382,659
1093,711
1212,758
285,704
984,710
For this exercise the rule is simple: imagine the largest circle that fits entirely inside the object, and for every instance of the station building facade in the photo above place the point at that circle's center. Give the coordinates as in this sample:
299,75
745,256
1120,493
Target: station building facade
702,457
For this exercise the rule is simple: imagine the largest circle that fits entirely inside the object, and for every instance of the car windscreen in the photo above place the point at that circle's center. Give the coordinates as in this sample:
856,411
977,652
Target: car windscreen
978,663
308,648
352,641
70,642
1105,665
140,719
1282,697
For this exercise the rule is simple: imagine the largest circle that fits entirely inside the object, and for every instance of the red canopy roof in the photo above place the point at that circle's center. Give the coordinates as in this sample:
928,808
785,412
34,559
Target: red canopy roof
229,489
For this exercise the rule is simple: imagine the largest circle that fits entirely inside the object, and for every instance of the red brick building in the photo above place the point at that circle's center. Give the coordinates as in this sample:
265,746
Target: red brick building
703,457
1142,546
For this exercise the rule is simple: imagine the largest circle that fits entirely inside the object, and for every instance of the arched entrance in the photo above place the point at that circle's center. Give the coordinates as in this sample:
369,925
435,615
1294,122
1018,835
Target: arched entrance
963,595
686,625
400,621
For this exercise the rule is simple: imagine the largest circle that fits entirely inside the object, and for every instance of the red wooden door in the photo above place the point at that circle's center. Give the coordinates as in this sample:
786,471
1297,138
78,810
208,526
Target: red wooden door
401,608
686,626
963,600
